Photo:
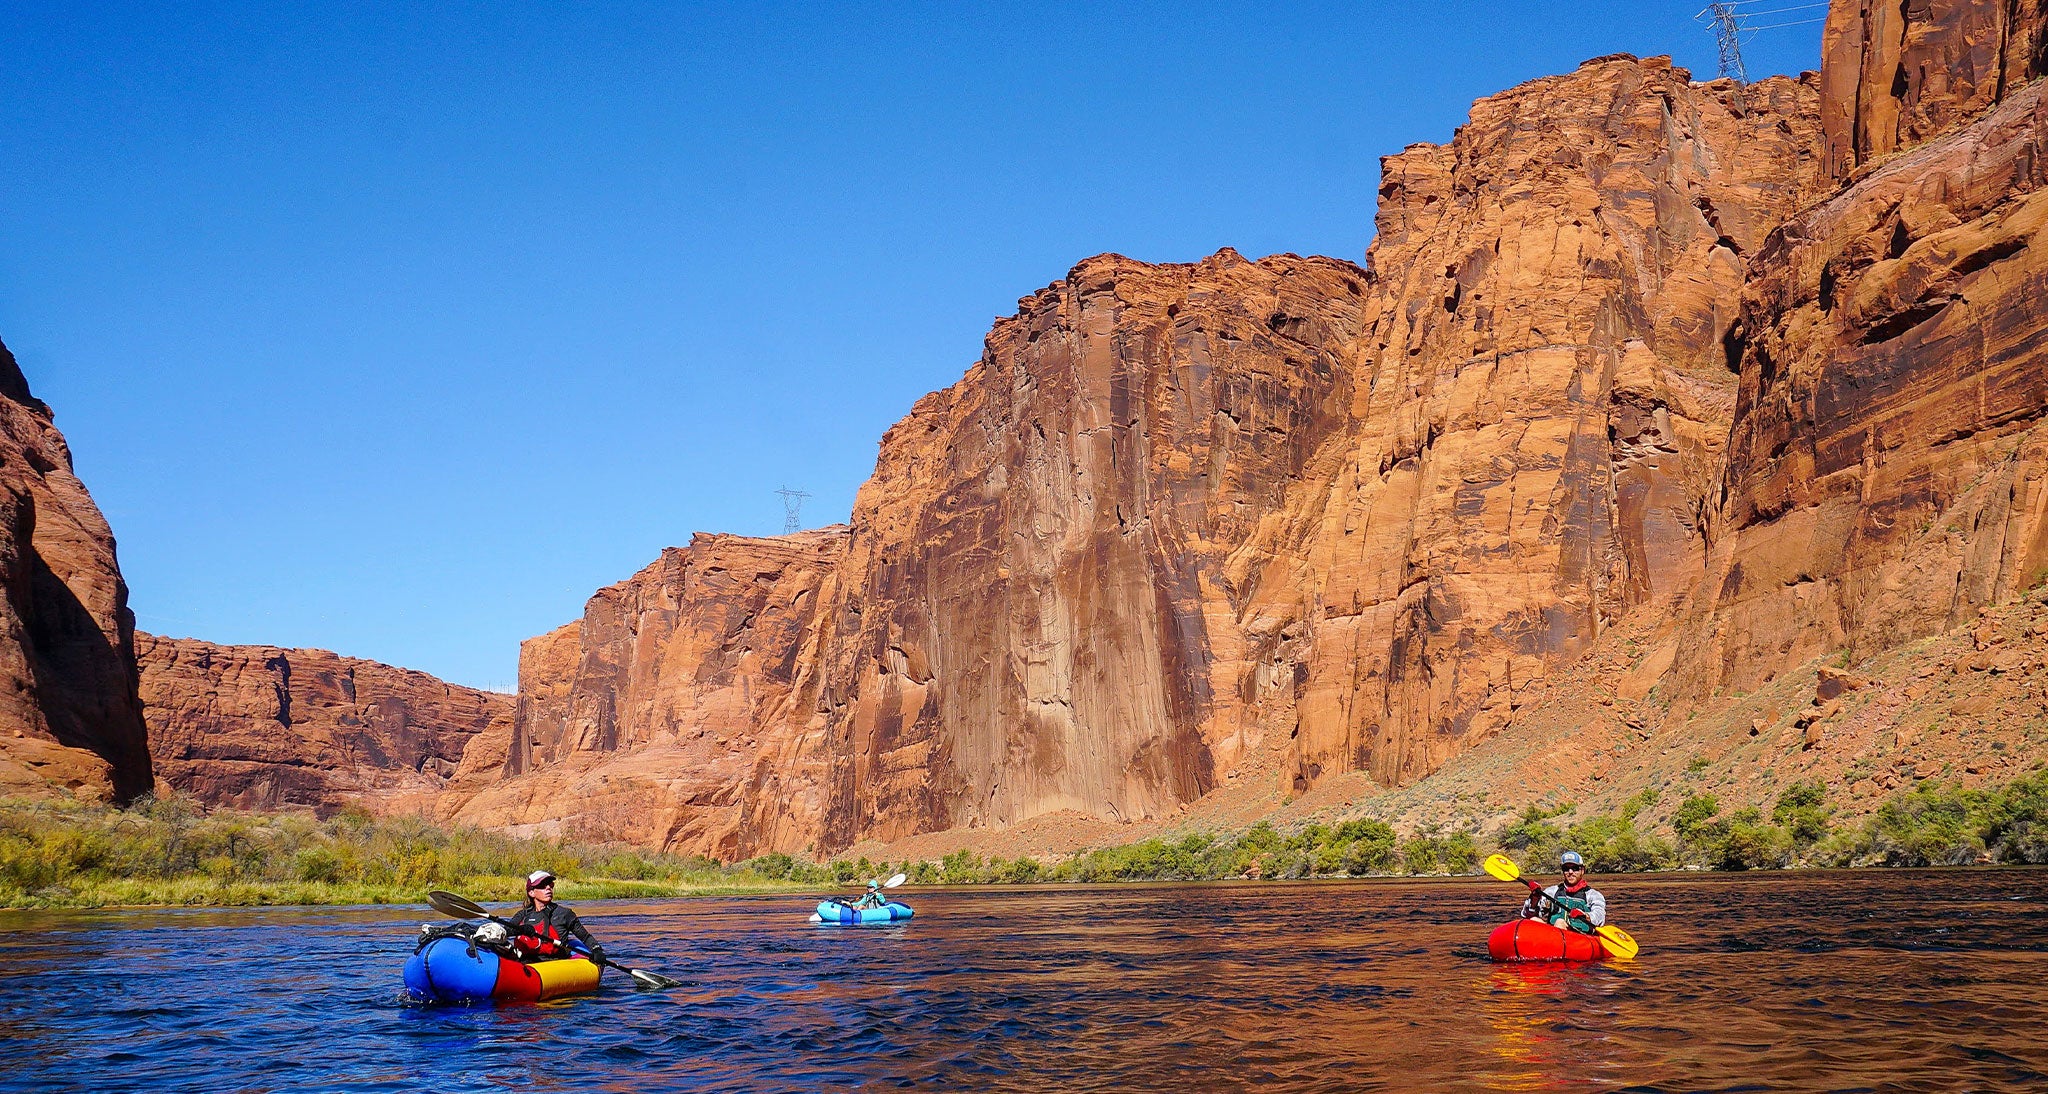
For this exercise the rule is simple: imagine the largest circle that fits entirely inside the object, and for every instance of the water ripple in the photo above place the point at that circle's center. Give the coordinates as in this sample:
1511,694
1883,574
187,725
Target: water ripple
1876,981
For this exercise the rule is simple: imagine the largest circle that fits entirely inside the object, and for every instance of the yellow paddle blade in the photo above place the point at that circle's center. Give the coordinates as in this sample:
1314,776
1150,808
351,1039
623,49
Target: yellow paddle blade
1502,867
1619,942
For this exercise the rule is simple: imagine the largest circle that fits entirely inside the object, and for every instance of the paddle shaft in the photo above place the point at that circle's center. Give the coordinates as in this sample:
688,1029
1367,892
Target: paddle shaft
463,908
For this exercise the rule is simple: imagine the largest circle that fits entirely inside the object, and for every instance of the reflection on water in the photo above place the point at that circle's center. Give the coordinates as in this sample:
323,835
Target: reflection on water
1851,982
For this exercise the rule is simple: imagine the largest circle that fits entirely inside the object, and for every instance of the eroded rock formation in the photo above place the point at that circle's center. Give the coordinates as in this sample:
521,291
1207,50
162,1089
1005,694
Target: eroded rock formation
1031,610
1181,515
1547,393
69,717
257,727
1898,72
1888,470
646,719
1304,519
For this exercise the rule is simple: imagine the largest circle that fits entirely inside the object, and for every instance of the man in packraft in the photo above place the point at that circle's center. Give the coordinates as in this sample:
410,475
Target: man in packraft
1571,904
541,930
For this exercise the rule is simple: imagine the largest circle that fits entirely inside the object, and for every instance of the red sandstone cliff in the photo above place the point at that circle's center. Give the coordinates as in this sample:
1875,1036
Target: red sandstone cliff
1030,611
645,720
1180,517
69,717
1547,394
257,727
1894,74
1293,518
1887,474
1304,519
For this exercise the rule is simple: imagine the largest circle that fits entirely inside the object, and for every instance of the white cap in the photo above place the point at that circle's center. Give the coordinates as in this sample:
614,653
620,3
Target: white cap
537,877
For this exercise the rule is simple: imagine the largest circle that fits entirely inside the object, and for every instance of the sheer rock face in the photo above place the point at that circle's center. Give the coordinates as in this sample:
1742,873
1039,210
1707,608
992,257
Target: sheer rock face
1899,72
1888,470
257,727
646,720
1543,403
1035,608
1181,517
1046,603
70,720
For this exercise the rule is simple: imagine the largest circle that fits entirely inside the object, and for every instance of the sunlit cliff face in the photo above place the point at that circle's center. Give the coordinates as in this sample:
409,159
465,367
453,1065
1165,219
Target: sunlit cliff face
1887,474
70,721
1181,515
1546,397
1753,370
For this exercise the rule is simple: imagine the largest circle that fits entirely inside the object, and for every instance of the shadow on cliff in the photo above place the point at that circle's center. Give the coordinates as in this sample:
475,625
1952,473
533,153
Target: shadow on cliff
87,684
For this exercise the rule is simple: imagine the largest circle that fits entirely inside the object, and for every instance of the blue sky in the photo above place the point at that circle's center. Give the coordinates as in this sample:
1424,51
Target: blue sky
399,332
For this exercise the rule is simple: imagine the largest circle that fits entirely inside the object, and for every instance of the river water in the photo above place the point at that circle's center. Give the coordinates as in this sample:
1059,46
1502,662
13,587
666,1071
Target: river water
1850,981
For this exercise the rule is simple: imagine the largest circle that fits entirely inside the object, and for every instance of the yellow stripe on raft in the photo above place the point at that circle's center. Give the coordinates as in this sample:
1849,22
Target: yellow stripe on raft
566,976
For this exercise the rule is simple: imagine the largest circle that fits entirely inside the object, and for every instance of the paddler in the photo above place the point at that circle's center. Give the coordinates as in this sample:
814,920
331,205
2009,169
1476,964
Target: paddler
542,928
874,897
1571,904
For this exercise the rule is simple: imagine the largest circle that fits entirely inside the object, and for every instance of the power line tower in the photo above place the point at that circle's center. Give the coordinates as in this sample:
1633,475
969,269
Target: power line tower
1728,30
792,501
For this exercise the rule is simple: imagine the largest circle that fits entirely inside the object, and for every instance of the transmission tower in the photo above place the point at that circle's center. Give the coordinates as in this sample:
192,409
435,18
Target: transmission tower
1734,20
792,501
1728,32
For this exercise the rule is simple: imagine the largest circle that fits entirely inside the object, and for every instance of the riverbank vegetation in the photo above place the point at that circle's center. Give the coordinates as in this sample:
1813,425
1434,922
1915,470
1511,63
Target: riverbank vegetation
1933,824
172,852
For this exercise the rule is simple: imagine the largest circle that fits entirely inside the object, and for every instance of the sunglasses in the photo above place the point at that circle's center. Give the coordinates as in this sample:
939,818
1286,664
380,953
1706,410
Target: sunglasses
542,885
1574,866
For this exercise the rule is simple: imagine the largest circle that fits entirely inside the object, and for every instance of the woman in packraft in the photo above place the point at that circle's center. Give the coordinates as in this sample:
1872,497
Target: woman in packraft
541,929
874,897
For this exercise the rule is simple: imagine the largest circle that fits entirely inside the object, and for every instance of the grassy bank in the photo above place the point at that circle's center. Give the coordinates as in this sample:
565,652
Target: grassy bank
67,854
1933,824
172,852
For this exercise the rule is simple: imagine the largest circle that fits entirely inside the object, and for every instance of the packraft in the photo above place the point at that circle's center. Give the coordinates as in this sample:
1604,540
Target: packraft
452,965
1535,940
839,911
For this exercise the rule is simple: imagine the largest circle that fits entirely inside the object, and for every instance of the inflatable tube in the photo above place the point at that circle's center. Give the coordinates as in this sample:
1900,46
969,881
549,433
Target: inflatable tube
837,911
1535,940
450,970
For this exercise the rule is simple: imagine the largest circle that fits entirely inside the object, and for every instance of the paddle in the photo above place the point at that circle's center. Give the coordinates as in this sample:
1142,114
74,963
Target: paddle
448,903
1617,940
894,881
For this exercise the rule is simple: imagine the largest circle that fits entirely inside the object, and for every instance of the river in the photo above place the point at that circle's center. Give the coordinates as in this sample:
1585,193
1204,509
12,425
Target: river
1934,980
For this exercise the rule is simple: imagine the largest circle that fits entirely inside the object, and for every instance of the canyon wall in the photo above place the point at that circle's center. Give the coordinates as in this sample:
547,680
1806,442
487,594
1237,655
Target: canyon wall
1182,517
1547,392
257,727
1887,473
646,719
1030,611
1756,371
70,721
1895,73
1044,608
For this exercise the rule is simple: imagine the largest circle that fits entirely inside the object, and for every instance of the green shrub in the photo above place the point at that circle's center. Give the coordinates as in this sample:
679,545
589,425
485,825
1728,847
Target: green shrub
316,864
1022,871
1802,811
774,866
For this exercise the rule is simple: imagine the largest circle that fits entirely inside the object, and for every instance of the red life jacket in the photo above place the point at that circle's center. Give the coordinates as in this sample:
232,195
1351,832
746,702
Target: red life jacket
540,938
